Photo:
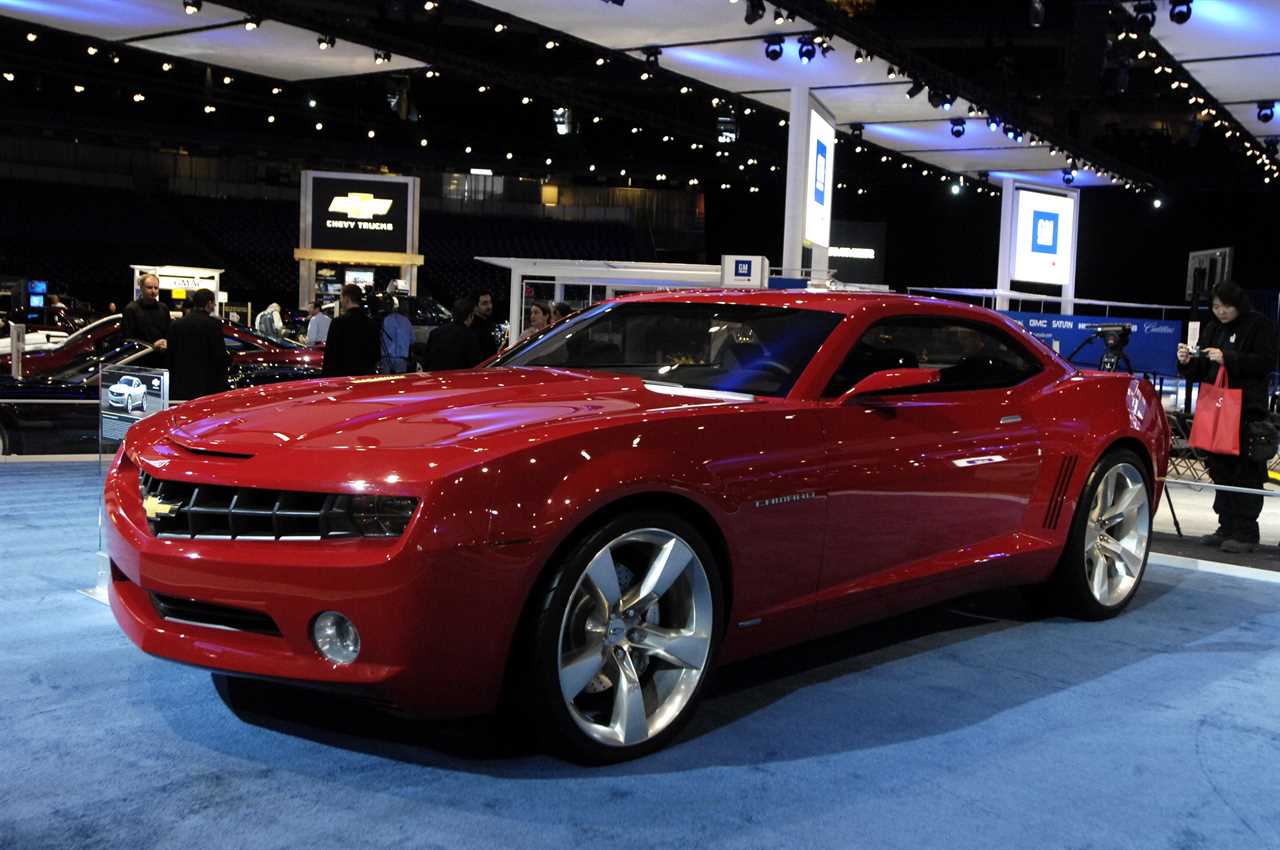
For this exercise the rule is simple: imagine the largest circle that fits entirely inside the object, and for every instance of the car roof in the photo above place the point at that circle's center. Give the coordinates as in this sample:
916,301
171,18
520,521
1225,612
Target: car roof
848,303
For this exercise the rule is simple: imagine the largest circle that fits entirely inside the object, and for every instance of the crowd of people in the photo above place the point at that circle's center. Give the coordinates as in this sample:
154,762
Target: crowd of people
356,342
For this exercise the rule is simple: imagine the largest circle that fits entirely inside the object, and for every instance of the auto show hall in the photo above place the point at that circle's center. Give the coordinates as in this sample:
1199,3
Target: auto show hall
975,724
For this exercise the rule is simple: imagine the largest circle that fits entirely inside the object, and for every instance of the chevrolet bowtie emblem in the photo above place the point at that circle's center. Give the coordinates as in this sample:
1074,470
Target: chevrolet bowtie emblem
155,508
360,205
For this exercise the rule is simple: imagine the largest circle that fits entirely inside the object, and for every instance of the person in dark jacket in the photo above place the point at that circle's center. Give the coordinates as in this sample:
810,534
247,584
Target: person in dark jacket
484,327
352,347
454,346
1244,342
198,357
147,318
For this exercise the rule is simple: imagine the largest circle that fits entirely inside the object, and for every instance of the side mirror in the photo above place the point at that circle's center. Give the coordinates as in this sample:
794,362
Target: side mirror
891,380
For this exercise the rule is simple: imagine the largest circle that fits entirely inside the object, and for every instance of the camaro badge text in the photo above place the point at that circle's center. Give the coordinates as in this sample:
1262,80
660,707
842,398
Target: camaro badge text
360,205
782,500
154,508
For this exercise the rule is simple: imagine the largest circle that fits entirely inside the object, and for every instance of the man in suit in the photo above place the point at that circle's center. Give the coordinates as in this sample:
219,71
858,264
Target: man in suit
198,357
352,347
147,318
454,346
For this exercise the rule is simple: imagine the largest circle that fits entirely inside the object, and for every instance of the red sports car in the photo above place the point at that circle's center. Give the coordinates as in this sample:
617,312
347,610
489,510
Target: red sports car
599,517
247,348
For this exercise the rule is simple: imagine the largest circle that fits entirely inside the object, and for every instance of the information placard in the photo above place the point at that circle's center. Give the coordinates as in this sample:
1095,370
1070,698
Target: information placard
1043,237
128,394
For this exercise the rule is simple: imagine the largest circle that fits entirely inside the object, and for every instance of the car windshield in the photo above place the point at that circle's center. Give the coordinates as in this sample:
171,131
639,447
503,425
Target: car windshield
736,347
85,366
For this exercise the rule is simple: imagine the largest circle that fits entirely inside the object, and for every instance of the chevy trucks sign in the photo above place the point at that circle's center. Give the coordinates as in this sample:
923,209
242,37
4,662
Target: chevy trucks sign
359,215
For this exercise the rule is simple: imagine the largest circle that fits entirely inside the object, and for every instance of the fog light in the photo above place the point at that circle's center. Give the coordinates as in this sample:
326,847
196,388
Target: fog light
336,637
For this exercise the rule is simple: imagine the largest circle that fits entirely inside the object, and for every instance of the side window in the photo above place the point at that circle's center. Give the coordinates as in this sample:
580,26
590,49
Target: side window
235,346
970,355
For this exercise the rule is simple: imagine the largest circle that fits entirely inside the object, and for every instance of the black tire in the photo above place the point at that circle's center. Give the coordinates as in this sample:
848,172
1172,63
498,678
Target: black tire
1069,590
561,728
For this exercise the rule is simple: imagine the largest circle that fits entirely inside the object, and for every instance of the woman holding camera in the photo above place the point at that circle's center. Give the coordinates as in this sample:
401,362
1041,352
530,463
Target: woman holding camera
1244,342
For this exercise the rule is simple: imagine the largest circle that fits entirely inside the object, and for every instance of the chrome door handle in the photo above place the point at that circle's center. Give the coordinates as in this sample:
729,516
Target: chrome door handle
1010,420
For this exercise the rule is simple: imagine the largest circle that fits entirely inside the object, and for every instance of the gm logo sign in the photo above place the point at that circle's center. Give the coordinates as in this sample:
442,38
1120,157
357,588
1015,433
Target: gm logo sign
742,268
1044,232
820,174
360,205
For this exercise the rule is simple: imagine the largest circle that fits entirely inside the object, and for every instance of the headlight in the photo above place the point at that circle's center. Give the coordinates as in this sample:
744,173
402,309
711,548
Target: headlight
382,516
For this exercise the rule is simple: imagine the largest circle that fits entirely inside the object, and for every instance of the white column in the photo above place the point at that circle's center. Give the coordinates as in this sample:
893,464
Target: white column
797,176
515,310
1006,244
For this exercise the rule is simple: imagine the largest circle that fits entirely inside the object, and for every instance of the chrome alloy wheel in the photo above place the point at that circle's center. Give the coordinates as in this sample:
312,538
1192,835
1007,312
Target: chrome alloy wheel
635,637
1116,534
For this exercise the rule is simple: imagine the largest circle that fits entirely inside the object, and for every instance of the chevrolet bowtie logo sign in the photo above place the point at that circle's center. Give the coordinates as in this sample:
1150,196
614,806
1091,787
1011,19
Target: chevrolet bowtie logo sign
362,205
155,508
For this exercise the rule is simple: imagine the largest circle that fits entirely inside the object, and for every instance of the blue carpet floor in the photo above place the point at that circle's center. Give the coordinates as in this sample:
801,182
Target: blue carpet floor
969,726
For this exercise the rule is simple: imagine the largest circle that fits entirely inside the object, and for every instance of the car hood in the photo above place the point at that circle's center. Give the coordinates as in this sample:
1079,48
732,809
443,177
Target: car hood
418,411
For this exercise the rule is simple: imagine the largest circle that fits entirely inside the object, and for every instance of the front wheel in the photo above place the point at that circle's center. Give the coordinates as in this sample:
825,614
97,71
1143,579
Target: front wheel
626,638
1106,555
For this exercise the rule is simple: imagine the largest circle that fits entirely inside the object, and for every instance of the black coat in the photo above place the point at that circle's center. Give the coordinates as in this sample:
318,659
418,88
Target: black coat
146,320
1249,350
198,357
485,331
452,346
352,347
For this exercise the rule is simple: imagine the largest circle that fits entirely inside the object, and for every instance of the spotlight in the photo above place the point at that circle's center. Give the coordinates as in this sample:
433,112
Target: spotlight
1068,176
191,6
312,103
9,77
993,123
1180,11
1266,111
271,119
955,188
973,110
164,66
372,134
251,24
892,73
755,11
137,98
319,126
1157,203
381,57
651,55
210,109
773,47
1035,14
957,127
31,37
430,6
858,57
324,42
499,27
1145,15
855,132
551,45
827,47
91,50
916,88
600,60
808,49
778,17
562,118
78,89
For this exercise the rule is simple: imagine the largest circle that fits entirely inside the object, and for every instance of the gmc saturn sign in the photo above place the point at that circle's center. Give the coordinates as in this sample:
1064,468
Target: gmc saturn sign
359,215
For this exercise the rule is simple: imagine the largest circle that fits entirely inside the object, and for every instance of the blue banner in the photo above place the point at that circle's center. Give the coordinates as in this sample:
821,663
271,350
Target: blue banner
1153,343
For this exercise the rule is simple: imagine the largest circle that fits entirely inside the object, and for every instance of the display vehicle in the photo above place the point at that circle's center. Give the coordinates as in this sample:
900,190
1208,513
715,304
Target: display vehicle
585,527
106,334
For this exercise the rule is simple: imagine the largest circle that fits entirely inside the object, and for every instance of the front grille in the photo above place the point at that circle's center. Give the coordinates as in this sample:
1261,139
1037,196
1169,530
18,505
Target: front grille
219,616
187,510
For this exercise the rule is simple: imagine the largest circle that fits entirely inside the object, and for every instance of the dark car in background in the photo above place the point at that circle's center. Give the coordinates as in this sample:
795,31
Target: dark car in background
56,412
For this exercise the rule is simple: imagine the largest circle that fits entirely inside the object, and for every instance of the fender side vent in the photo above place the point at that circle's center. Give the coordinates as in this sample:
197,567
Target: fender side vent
1056,499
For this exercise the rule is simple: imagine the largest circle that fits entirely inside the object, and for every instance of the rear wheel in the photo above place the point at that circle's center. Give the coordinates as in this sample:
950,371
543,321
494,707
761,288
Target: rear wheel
626,638
1106,554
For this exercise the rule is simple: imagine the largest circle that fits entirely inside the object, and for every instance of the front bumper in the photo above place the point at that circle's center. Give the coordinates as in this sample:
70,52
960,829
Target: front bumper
435,626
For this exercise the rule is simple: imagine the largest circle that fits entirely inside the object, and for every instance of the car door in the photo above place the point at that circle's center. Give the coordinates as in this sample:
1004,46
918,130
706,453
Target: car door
921,475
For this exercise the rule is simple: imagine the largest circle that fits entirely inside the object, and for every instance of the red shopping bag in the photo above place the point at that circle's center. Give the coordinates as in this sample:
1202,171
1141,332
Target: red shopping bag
1216,425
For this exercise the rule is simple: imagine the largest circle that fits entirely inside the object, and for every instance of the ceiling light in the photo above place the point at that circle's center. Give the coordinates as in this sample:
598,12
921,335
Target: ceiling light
808,49
754,12
1180,11
137,98
422,143
1157,203
271,119
9,77
31,37
381,57
92,51
1144,14
551,45
685,90
893,73
526,100
778,17
78,89
955,188
827,47
510,155
228,80
276,90
252,23
467,149
651,55
191,6
1068,176
164,66
595,119
623,172
773,47
916,88
1266,111
319,125
430,6
548,160
591,167
482,89
858,57
499,27
600,61
957,127
324,42
209,109
644,75
312,103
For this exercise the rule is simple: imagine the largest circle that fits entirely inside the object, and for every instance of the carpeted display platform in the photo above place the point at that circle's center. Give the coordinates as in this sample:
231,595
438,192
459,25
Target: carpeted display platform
971,726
